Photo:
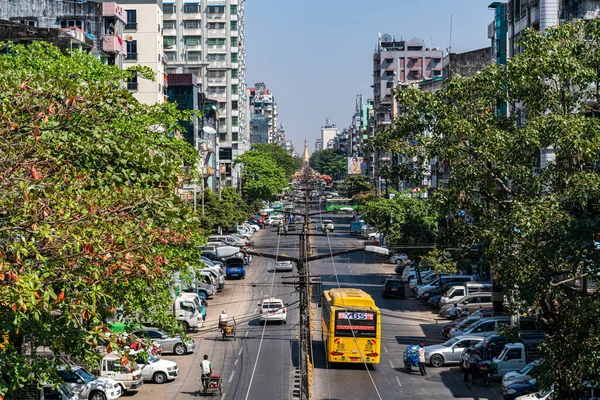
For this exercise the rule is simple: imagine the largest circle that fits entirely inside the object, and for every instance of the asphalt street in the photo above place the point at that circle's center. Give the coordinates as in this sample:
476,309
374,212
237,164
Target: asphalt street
262,362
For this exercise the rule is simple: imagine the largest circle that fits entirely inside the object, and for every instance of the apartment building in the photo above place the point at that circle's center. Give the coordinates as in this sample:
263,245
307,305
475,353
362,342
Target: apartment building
264,116
318,144
329,133
100,22
206,38
144,44
396,63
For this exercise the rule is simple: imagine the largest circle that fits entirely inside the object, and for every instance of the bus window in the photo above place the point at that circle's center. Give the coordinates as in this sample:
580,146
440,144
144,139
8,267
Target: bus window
356,323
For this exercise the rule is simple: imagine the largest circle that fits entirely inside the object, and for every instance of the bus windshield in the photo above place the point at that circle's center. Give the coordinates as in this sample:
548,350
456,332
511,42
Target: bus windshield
356,323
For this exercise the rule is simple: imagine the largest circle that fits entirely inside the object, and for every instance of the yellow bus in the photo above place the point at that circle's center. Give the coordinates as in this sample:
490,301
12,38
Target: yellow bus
350,326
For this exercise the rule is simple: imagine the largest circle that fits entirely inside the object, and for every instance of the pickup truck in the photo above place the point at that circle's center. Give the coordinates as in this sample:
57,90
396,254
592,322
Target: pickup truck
355,227
514,356
235,268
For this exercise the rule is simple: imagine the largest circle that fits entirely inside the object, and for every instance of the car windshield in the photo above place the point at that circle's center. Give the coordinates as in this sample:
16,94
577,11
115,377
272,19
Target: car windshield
503,353
526,369
393,284
272,305
66,392
450,342
85,375
467,323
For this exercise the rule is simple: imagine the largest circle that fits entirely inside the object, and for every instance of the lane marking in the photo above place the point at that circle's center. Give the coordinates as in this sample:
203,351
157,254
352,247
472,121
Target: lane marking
247,332
240,352
391,365
232,374
398,380
385,349
236,361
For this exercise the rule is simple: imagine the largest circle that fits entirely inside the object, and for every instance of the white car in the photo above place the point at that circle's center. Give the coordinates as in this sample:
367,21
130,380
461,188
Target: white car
273,310
523,375
373,236
327,224
157,370
284,266
275,220
87,386
400,259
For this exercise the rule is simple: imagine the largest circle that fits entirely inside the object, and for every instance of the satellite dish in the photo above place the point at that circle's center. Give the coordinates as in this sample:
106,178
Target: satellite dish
209,130
386,37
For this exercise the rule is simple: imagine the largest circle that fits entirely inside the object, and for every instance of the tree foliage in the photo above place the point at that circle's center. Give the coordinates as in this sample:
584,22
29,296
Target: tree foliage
262,178
89,219
228,210
330,162
282,158
535,221
355,184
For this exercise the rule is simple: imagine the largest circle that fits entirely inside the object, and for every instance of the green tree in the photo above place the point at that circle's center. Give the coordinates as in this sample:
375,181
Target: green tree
330,162
90,223
404,220
282,158
536,222
262,179
355,184
228,210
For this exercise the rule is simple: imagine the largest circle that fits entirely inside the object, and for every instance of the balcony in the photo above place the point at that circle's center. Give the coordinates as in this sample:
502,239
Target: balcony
218,64
190,31
216,48
169,32
216,32
112,44
112,9
216,17
216,80
192,46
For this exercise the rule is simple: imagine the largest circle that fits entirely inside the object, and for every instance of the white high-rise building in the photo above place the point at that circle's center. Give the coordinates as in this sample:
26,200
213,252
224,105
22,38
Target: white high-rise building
206,38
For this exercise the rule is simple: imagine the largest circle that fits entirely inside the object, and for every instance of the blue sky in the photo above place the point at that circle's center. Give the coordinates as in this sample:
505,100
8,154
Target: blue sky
316,55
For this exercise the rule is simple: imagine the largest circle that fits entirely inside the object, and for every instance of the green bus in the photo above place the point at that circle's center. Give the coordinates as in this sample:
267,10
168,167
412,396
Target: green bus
335,205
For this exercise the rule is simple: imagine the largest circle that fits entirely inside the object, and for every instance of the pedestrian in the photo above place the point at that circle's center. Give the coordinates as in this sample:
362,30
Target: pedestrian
454,311
466,364
206,369
474,365
422,360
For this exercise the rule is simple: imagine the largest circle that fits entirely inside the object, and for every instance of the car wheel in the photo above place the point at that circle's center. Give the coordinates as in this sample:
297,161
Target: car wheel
398,261
179,349
285,321
202,294
159,377
436,360
96,395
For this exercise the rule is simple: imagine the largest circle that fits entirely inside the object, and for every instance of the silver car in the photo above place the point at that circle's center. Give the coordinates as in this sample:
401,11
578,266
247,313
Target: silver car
449,352
168,344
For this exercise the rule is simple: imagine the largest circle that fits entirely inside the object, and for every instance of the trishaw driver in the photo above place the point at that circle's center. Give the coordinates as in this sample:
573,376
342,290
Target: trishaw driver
223,319
206,368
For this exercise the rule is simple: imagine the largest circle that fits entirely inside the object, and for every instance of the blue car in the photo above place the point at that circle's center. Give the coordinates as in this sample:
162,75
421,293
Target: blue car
511,392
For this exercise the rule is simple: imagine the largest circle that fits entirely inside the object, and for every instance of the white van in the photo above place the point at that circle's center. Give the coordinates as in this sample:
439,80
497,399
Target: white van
128,376
457,292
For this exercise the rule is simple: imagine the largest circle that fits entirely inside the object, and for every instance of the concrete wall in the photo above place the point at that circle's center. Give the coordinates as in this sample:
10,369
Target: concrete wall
468,63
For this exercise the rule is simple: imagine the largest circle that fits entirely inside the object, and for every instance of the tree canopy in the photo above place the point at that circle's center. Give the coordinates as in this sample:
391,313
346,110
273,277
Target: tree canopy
330,162
262,178
89,221
282,158
536,221
354,185
228,210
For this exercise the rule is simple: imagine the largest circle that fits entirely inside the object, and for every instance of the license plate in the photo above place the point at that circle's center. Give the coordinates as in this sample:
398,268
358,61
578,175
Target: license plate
394,289
354,358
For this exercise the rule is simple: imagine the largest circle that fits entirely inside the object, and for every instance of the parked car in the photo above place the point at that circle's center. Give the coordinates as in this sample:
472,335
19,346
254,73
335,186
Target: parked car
450,351
470,303
439,285
524,374
155,369
462,323
47,392
169,344
87,386
518,389
272,310
434,301
393,287
284,266
128,375
400,259
275,220
483,327
456,292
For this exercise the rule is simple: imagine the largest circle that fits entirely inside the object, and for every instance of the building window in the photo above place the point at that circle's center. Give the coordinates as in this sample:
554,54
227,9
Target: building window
234,136
225,153
234,121
234,25
234,89
132,83
233,9
195,71
216,57
28,22
168,24
132,50
131,20
215,9
191,24
437,73
168,8
191,8
216,41
193,56
191,40
169,41
216,25
69,23
234,57
234,42
234,105
171,55
234,73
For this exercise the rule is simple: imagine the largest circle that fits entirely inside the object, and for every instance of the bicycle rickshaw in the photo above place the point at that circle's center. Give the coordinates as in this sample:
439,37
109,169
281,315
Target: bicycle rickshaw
411,358
214,386
228,329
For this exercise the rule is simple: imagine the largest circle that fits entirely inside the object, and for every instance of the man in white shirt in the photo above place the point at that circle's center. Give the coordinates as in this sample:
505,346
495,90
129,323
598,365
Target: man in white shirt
223,319
206,368
422,359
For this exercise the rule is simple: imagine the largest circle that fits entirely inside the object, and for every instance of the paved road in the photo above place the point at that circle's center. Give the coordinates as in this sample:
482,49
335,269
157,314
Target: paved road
403,322
275,375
